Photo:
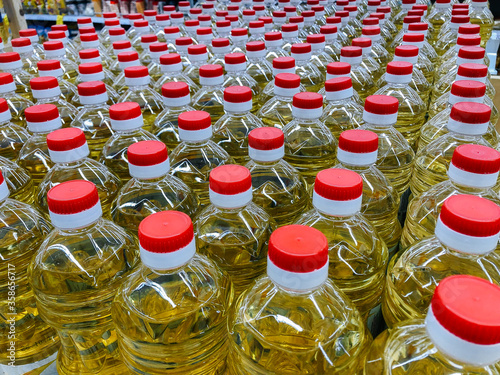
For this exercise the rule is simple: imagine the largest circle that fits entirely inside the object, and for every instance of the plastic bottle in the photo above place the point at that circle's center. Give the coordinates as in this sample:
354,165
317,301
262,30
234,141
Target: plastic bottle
290,33
176,100
412,110
258,67
171,34
171,67
69,50
361,78
468,122
146,41
54,50
16,102
464,242
198,56
395,155
277,186
353,242
280,65
29,59
295,293
370,64
196,155
151,188
85,255
346,29
127,59
309,145
34,155
459,333
473,170
422,62
235,65
461,91
310,76
319,56
170,270
210,97
52,68
357,152
232,230
449,40
10,63
451,54
127,124
480,14
92,41
32,35
438,15
332,44
465,72
13,136
378,52
256,30
342,111
274,45
161,21
92,55
69,152
277,111
239,39
467,54
231,130
24,229
204,35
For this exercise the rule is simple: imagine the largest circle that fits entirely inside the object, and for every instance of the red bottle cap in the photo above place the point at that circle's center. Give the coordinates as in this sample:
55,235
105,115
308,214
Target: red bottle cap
338,184
194,120
230,179
358,141
147,153
266,138
476,159
287,80
72,197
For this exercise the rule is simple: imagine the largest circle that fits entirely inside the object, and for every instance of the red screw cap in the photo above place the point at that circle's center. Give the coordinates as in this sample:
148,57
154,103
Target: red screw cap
175,89
237,94
406,51
358,141
338,84
469,29
283,62
266,138
125,111
338,68
91,88
287,80
468,89
211,70
43,83
399,68
307,100
90,68
470,53
230,179
338,184
381,105
476,159
362,42
273,35
255,46
72,197
170,59
41,113
147,153
471,70
26,33
194,120
65,139
470,113
48,65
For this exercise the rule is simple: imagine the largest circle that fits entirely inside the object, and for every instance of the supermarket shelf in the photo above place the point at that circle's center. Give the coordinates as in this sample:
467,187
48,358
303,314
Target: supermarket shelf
53,18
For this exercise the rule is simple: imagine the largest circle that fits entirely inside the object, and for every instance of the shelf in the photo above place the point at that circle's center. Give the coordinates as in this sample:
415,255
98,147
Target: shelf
53,18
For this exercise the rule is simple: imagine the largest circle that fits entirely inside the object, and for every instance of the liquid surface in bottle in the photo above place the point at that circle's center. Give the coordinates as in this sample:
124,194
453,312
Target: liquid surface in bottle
18,180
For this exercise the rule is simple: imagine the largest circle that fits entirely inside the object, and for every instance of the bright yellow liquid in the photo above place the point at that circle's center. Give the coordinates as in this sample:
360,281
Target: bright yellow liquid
34,157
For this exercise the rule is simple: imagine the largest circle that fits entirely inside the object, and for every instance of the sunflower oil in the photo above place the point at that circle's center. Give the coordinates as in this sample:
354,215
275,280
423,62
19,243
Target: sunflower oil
210,97
13,137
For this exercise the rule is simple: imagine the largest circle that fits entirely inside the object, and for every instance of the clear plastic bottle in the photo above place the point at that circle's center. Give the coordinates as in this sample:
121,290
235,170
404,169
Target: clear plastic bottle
13,136
310,76
92,55
342,111
210,97
459,333
60,36
449,40
277,111
219,47
416,25
239,39
468,122
198,56
151,188
54,50
119,46
29,59
438,15
473,170
280,65
353,242
46,90
367,61
93,118
412,110
127,124
451,54
274,46
296,292
357,152
257,31
196,155
127,59
277,186
258,67
161,21
223,29
140,90
309,145
398,18
191,26
69,152
104,34
461,91
464,242
319,56
332,45
79,267
480,14
279,19
177,100
231,130
10,62
361,79
34,155
235,66
91,72
417,38
204,35
465,72
232,230
378,52
153,297
16,102
141,27
395,156
346,28
52,68
310,25
422,62
467,54
32,35
146,41
24,229
171,34
92,41
290,34
171,67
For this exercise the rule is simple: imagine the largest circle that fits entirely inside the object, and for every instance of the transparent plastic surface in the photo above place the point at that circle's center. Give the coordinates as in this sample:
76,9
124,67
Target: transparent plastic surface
362,81
17,105
432,162
22,230
151,103
261,71
340,115
419,84
22,81
244,79
277,111
444,85
34,157
210,99
166,126
138,199
407,349
114,152
423,211
236,240
277,331
357,255
95,123
413,276
67,111
107,183
395,156
310,76
18,181
189,303
175,77
192,163
12,139
310,147
279,189
482,16
75,275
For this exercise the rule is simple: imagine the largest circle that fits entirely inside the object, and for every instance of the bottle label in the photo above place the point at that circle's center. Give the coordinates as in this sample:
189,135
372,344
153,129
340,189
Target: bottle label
23,369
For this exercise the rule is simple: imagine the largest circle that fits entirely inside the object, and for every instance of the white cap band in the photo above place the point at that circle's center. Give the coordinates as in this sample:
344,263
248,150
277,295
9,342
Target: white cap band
195,135
92,77
331,76
137,81
299,281
54,53
469,129
11,86
236,67
130,124
177,67
239,38
23,49
78,220
94,99
221,50
197,58
5,116
417,44
287,92
351,60
307,113
51,73
90,44
91,60
211,81
46,93
302,56
355,158
127,64
4,190
273,43
475,180
336,208
399,78
277,71
11,65
238,107
375,119
339,95
148,172
266,155
170,260
290,34
69,156
256,54
477,79
454,99
230,201
410,59
461,60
